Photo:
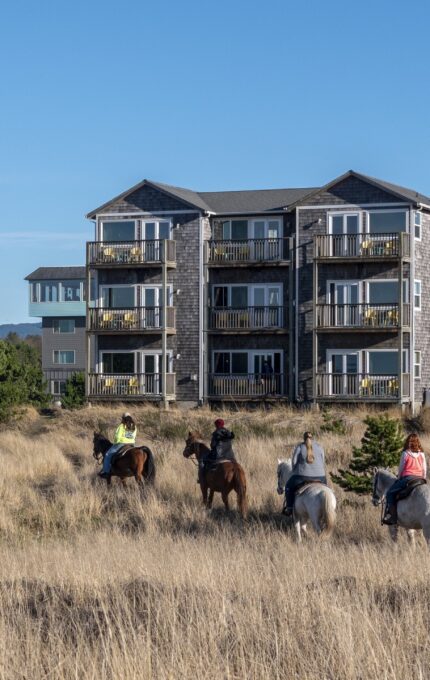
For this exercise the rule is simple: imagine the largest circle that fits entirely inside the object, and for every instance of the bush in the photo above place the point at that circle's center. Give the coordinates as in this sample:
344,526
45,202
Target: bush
21,378
382,445
74,395
333,424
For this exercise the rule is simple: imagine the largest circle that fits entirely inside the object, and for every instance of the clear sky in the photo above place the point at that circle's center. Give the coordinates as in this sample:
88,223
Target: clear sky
234,94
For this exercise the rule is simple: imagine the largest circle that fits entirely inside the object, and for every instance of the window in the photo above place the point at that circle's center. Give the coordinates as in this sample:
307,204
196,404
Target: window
235,230
70,291
417,364
417,225
387,222
117,362
48,292
64,356
344,224
231,362
34,289
122,230
153,231
417,294
58,387
63,326
383,362
118,297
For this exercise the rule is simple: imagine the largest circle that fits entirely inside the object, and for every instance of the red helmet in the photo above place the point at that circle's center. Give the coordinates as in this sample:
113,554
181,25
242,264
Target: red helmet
219,422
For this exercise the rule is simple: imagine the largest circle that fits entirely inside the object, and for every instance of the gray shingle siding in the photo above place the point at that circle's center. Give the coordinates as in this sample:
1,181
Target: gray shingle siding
63,341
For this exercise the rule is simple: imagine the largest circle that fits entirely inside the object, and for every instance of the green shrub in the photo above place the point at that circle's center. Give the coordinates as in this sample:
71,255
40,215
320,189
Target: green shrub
21,378
74,395
333,424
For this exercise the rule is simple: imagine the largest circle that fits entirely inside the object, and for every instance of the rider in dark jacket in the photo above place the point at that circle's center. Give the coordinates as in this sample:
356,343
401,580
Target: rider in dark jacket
221,447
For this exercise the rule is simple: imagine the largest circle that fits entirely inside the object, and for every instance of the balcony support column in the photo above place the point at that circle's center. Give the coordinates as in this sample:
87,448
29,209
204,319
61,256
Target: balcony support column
87,328
164,329
290,321
314,331
400,296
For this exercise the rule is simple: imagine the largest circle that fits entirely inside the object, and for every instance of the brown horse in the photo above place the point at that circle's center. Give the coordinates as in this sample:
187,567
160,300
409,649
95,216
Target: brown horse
137,462
227,476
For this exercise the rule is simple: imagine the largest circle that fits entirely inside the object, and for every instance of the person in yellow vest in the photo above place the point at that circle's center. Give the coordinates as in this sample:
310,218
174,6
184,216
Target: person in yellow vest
125,433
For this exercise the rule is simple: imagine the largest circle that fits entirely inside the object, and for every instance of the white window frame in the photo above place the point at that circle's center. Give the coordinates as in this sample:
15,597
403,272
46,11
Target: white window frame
405,358
251,226
53,391
419,295
158,288
63,363
388,210
346,282
116,285
417,365
331,352
155,221
58,332
157,353
405,289
344,215
417,224
115,351
251,288
102,221
250,354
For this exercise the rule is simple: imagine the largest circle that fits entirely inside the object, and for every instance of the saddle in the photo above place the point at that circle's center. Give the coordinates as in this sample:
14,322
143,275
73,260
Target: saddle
306,485
119,454
211,465
404,493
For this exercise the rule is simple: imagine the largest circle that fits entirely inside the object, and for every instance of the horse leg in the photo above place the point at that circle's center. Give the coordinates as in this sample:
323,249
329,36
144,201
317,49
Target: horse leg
123,481
224,496
298,530
394,532
204,489
109,480
211,498
411,537
426,532
304,529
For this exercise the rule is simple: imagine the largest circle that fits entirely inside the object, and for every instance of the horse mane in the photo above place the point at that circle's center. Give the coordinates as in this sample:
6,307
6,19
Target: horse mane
100,439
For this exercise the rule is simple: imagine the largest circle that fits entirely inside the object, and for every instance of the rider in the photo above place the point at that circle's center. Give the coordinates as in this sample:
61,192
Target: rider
308,466
125,433
220,446
413,465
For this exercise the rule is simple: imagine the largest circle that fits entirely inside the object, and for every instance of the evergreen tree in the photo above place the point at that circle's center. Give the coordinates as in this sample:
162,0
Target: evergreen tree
381,446
21,377
74,395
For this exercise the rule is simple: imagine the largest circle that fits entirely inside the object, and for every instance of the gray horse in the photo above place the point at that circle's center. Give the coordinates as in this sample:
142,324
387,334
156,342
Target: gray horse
316,503
413,513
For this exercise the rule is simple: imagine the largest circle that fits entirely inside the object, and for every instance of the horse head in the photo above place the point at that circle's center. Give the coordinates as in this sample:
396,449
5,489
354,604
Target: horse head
283,472
382,480
193,445
100,446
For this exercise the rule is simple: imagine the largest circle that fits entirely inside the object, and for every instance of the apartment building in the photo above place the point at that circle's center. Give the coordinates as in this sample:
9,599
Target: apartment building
310,294
57,296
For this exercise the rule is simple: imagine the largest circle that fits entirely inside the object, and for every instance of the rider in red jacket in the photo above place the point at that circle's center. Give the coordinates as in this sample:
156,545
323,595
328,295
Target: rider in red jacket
413,465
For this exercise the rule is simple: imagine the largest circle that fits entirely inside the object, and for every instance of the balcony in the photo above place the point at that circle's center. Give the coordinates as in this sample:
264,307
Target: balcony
132,320
246,252
359,386
368,317
132,253
370,247
132,386
242,320
245,386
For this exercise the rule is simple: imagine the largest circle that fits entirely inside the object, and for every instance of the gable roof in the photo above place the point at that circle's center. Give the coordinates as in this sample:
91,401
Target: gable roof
404,193
252,201
56,273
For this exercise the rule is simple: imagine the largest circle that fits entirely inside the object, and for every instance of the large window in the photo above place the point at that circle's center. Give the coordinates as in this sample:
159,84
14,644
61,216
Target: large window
237,296
49,291
122,230
64,356
117,362
63,326
344,223
70,291
387,222
241,363
235,230
383,362
152,231
118,297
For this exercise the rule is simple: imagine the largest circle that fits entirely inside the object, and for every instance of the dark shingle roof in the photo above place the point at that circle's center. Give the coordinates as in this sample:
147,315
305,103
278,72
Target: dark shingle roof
56,273
409,194
259,200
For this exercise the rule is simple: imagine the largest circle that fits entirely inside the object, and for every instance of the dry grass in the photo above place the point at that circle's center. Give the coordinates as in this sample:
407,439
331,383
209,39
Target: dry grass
112,585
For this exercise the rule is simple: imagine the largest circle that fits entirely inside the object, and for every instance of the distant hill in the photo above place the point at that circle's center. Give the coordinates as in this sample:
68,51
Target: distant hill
22,329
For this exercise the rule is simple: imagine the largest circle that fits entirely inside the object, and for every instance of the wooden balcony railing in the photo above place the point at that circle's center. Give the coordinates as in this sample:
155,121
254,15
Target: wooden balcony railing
246,251
361,316
131,252
246,318
360,386
132,319
130,385
246,385
362,245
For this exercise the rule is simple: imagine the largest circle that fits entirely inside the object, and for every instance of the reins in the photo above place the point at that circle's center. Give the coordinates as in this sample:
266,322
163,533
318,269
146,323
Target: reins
192,457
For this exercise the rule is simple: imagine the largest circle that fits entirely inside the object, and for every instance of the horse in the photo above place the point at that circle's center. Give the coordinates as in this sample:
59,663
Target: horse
316,502
227,476
137,462
413,512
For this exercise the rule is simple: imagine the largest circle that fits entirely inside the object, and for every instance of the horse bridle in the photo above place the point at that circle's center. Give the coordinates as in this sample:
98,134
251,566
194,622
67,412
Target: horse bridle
189,447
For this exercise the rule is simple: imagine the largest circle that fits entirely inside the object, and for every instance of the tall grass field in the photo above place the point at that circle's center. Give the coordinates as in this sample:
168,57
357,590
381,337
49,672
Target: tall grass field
109,583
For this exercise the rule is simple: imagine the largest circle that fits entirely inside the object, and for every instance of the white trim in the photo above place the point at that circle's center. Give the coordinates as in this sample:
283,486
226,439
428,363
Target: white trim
251,353
416,363
114,351
352,206
250,220
418,309
420,225
115,285
63,318
344,282
345,214
366,289
397,210
343,352
137,215
157,222
57,380
100,229
64,363
385,349
251,292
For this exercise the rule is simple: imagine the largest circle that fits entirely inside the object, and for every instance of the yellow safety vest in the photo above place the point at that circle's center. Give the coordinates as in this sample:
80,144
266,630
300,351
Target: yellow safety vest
124,436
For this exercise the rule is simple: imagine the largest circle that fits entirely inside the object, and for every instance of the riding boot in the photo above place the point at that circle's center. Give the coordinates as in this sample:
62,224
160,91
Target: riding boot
390,515
287,510
201,472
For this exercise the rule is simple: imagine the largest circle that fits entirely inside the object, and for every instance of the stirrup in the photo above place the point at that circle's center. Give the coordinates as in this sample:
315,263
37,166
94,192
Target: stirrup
389,520
287,512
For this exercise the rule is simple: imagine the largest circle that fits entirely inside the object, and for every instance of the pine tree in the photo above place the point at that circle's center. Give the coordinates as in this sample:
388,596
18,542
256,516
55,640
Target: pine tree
381,446
74,395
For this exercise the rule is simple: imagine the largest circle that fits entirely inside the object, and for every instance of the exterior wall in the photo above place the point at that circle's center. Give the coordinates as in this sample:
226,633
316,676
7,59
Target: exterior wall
422,318
63,341
56,309
314,221
185,344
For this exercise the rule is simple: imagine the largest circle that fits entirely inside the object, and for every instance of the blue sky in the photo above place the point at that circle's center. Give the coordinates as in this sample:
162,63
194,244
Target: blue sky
96,96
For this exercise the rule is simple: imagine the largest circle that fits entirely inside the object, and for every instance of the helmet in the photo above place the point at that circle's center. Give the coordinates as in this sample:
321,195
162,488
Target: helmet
219,422
126,415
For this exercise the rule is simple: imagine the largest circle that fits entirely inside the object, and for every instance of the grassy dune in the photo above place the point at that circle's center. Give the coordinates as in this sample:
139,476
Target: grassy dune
98,584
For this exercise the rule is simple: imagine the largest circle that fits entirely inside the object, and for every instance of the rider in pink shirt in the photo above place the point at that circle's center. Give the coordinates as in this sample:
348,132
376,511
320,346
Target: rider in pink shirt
413,465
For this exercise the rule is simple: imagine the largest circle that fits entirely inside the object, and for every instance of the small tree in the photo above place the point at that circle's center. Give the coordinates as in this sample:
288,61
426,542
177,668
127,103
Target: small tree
21,377
381,446
74,395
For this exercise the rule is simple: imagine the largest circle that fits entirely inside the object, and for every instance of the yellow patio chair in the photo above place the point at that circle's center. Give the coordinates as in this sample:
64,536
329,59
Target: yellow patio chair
108,254
392,317
129,320
108,384
133,385
393,386
365,247
370,317
135,254
107,318
365,386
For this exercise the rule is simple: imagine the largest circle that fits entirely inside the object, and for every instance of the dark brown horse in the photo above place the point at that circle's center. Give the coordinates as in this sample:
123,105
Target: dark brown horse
137,462
227,476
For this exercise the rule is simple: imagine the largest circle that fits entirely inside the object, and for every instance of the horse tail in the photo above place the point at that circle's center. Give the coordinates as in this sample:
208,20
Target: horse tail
149,466
328,514
239,480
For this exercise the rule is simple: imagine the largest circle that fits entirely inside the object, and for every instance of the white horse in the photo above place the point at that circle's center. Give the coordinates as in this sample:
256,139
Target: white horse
316,503
413,513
